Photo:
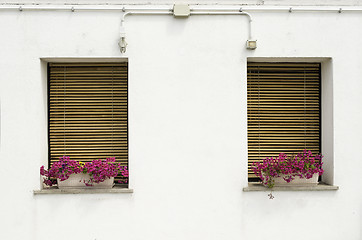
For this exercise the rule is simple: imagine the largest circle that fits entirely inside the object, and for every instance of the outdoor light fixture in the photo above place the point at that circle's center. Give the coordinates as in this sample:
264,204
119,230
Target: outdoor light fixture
122,41
251,44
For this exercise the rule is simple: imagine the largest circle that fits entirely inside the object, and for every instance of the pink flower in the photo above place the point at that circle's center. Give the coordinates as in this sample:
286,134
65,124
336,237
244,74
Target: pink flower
302,165
99,170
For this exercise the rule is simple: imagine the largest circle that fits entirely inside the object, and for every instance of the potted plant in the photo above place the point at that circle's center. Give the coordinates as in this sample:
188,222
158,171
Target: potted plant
69,173
295,170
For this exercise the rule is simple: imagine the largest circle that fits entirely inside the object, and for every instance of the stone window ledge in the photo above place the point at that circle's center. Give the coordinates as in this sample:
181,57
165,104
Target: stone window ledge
55,190
258,187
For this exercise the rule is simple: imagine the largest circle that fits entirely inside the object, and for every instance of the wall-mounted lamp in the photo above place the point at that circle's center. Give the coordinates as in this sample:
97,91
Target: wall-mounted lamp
251,44
122,40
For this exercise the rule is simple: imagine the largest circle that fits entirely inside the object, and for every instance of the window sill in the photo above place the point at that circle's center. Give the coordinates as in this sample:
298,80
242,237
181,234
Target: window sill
258,187
55,190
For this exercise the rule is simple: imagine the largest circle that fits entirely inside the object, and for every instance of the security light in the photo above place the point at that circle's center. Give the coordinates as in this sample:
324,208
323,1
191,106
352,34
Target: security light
251,44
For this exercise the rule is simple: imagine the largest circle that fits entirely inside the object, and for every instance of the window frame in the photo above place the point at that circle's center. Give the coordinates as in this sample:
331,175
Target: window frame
309,128
45,74
327,114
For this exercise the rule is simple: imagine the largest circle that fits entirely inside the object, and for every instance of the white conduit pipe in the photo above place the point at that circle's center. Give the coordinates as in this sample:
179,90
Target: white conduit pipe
122,41
335,9
76,8
226,13
168,11
123,44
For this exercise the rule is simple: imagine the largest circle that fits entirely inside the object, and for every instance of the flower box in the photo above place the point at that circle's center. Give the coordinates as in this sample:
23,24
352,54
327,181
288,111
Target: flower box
69,173
78,181
301,169
297,182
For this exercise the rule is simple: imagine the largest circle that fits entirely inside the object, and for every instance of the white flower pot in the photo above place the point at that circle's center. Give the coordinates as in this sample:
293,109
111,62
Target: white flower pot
297,181
77,181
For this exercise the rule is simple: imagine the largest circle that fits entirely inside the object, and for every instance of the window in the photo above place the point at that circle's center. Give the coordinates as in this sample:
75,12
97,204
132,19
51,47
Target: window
284,109
88,111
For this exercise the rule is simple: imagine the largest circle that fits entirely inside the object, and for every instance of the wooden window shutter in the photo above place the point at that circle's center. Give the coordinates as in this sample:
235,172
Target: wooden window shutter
88,111
284,109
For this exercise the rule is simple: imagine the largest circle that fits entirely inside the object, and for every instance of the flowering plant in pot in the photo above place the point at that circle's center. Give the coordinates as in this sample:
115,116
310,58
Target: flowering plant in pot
288,168
89,173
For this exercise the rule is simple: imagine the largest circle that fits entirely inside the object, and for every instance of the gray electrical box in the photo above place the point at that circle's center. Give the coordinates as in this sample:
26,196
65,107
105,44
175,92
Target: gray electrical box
181,10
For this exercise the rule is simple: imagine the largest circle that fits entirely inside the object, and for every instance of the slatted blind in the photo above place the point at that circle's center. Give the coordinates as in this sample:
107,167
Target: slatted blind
283,109
88,111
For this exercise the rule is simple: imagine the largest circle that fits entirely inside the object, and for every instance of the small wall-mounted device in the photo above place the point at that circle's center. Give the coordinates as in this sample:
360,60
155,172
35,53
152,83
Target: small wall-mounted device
181,10
251,44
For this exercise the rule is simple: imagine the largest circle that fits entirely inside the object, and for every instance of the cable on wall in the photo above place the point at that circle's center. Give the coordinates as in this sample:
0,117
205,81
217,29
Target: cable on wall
184,11
122,41
197,10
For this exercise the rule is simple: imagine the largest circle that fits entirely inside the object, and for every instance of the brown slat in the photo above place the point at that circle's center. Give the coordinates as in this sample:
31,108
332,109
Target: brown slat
86,145
101,124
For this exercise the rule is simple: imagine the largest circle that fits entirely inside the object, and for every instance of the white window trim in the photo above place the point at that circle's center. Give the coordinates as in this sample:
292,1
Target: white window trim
327,130
44,77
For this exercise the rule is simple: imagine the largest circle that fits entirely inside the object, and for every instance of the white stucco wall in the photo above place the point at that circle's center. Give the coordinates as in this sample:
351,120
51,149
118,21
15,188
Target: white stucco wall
187,127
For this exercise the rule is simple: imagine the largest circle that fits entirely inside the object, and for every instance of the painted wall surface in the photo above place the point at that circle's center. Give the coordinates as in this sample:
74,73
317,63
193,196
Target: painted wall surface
187,127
